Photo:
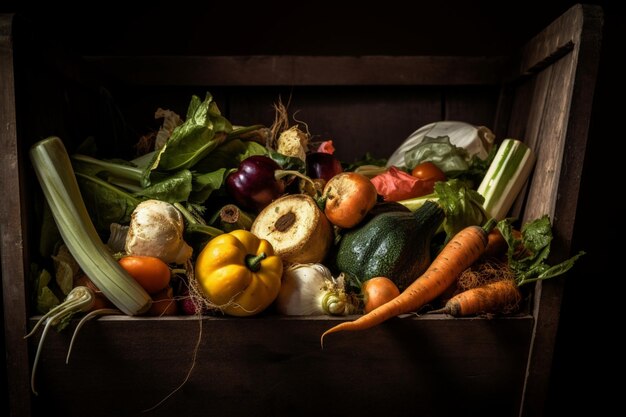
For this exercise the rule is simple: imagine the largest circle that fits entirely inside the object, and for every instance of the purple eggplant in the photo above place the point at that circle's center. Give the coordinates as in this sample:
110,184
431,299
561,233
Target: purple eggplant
322,165
254,185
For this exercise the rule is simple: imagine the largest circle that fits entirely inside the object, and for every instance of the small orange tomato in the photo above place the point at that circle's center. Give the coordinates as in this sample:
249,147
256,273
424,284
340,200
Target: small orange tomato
163,303
151,273
349,197
429,174
378,291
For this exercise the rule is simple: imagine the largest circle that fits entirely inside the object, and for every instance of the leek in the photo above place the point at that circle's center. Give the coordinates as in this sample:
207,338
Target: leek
505,177
58,182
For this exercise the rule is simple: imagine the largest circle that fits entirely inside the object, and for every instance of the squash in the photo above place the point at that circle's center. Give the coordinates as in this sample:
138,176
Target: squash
393,244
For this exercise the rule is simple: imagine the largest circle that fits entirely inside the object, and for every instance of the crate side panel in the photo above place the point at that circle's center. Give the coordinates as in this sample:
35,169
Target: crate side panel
474,105
13,240
275,367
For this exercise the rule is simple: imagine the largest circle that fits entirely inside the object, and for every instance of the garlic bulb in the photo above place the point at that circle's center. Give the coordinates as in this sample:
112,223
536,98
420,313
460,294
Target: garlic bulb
156,229
310,289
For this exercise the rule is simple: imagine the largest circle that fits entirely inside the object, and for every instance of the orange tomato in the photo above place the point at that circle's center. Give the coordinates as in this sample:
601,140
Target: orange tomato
349,197
151,273
378,291
429,174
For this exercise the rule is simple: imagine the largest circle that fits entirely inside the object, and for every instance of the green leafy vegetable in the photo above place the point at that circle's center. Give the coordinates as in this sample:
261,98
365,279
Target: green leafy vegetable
462,206
290,163
229,155
173,189
453,160
118,168
527,256
203,130
105,202
448,157
205,184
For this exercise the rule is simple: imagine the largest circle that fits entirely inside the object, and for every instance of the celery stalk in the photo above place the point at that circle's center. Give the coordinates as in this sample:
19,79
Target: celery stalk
505,177
58,182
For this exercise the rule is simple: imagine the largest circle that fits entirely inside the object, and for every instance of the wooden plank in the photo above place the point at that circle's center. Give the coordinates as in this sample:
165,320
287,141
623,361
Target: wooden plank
359,120
474,105
304,70
577,95
275,366
12,245
559,38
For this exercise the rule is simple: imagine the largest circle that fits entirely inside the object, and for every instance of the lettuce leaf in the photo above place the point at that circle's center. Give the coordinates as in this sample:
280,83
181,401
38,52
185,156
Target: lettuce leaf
461,204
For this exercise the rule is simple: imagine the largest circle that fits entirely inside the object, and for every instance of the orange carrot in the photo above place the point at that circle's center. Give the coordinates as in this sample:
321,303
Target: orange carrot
496,245
461,252
494,297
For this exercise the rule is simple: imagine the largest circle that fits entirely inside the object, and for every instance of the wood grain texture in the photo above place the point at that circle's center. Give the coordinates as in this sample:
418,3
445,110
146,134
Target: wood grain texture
578,92
357,119
269,366
474,105
12,245
273,366
305,70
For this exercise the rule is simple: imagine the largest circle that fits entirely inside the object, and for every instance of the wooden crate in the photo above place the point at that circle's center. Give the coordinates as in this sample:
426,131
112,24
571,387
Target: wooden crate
271,365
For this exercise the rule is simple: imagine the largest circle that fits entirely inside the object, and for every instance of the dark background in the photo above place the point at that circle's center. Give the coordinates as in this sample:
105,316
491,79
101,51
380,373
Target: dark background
586,353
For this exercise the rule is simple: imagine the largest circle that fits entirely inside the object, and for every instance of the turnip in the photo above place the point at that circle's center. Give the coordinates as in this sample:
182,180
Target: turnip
156,229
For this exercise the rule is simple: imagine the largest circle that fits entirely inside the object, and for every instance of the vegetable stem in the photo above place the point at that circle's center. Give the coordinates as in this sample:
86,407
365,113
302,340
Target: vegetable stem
128,172
232,217
253,262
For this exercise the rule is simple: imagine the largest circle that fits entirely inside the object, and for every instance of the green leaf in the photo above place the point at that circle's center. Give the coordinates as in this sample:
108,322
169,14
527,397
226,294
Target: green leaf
462,206
205,184
105,202
203,130
526,256
290,163
441,152
173,189
537,235
229,155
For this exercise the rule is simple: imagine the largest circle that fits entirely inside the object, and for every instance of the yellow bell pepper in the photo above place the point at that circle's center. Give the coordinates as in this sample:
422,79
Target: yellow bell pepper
239,272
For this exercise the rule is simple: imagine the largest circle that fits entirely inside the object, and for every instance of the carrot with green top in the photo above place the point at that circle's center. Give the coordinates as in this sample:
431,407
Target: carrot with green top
462,251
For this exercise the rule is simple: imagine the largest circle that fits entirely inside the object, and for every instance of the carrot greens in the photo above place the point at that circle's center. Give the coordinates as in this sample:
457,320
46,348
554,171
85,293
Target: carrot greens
527,255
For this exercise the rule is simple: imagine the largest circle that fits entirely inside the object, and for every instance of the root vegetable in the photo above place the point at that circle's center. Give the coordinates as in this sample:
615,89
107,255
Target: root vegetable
378,291
495,297
296,228
349,197
156,229
461,252
310,289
